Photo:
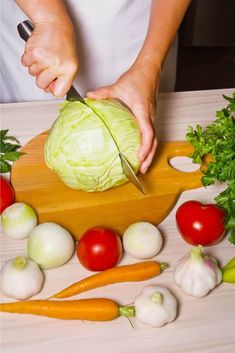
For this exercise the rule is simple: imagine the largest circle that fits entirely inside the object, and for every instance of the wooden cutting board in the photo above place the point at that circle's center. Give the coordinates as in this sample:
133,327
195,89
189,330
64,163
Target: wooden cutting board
117,208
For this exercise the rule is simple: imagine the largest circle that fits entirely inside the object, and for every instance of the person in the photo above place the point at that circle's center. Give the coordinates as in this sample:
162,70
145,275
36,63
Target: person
121,44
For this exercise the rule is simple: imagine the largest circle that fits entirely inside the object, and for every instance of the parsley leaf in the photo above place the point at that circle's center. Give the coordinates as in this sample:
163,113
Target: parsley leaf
231,237
8,151
214,150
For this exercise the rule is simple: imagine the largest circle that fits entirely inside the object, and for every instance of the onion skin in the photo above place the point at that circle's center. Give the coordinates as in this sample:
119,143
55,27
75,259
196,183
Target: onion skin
18,220
142,240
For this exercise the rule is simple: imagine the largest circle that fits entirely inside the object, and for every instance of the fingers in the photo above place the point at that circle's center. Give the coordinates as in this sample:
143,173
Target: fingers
48,79
53,66
27,59
61,86
147,162
38,68
35,69
32,55
50,88
146,128
49,82
148,140
147,137
45,78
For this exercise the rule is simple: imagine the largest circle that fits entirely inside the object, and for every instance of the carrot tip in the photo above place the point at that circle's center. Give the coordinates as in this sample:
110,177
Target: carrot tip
51,297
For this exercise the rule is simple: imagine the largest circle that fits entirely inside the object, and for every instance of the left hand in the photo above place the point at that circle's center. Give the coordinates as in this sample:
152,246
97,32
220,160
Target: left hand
137,88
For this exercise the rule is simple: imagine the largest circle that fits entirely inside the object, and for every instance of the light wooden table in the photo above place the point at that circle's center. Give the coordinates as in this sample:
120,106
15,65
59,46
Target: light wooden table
202,326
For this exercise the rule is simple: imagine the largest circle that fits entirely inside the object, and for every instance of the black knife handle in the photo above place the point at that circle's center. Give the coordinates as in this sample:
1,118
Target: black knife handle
25,29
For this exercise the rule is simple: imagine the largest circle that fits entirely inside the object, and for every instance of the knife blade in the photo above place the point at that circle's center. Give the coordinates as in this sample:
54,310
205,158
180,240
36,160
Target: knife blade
25,29
130,174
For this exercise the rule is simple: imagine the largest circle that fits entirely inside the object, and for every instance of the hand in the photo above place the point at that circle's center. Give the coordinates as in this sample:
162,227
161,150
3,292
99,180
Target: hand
50,56
137,88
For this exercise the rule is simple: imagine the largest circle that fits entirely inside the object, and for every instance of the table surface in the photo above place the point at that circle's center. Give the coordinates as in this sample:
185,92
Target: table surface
203,325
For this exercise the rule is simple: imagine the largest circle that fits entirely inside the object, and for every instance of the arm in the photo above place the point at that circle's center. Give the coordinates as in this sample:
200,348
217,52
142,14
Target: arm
165,19
50,52
138,86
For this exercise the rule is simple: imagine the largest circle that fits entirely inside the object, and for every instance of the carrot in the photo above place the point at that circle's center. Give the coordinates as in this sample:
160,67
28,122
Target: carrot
127,273
100,309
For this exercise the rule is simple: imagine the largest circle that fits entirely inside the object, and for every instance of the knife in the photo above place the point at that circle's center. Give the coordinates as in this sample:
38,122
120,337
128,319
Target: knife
25,29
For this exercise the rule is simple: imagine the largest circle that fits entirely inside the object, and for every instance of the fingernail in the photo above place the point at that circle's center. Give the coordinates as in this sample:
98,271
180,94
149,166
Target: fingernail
143,169
58,89
59,93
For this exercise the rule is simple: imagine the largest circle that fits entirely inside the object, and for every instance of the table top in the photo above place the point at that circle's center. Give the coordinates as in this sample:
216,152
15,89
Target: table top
202,325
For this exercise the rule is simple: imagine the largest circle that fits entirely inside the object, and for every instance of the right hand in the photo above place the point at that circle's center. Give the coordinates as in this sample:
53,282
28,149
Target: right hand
50,55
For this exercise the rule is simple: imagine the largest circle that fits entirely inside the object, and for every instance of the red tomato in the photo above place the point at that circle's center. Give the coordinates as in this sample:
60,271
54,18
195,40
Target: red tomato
200,224
99,248
7,194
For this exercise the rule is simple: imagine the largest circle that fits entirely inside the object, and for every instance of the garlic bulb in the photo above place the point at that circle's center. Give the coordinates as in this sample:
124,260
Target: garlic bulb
197,273
21,278
155,306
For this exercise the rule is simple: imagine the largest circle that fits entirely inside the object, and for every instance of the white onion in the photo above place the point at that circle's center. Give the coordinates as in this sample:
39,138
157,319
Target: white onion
142,240
18,220
50,245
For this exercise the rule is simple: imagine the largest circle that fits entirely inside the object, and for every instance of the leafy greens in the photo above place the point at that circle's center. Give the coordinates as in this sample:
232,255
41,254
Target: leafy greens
8,151
214,150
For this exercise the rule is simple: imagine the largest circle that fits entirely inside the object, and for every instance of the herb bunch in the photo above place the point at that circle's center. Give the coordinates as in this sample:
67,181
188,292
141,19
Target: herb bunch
217,141
9,153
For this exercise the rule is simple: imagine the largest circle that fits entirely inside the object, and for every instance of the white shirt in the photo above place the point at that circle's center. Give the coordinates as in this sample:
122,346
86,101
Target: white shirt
110,34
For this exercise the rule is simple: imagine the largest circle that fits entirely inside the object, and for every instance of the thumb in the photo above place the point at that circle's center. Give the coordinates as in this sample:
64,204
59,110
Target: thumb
101,93
60,86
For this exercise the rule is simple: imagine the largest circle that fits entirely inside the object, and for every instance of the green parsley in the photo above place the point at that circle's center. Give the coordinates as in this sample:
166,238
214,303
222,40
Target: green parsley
217,141
8,151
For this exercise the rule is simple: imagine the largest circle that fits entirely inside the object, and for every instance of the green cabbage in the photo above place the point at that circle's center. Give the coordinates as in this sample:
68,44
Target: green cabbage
81,150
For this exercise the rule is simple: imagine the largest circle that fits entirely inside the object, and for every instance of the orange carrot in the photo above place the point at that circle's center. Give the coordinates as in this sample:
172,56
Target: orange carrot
128,273
100,309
